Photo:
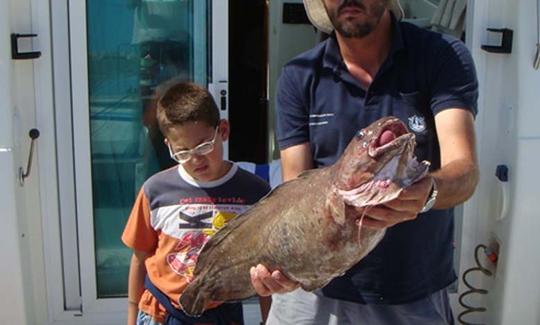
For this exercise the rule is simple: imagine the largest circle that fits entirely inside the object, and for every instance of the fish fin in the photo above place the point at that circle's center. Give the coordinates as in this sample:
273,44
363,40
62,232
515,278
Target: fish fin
206,258
257,213
301,178
308,172
192,301
255,209
310,287
336,207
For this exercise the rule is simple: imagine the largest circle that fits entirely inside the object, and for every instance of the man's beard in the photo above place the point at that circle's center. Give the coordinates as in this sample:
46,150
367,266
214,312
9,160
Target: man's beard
358,29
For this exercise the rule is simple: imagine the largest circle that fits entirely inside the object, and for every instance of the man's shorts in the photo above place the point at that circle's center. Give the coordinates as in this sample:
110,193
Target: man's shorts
305,308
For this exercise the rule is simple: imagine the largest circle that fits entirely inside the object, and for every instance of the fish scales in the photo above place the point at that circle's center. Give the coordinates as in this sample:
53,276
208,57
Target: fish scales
310,227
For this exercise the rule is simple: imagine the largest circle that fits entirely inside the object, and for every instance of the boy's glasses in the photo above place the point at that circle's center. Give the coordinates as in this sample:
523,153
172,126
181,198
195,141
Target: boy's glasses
184,156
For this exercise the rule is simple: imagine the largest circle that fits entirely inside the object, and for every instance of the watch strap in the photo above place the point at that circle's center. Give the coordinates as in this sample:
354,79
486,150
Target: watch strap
431,198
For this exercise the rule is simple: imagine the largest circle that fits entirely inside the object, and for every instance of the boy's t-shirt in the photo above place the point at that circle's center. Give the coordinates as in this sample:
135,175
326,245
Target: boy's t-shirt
174,216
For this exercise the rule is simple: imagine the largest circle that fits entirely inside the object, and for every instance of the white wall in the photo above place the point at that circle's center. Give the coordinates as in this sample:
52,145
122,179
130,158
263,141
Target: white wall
22,268
518,286
13,309
508,133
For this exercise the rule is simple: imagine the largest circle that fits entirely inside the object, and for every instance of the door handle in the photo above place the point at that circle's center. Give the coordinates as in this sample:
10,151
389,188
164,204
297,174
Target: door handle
15,54
223,99
502,175
34,134
220,93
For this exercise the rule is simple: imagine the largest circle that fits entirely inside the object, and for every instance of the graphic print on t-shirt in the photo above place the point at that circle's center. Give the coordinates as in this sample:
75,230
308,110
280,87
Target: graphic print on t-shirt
196,224
174,216
183,261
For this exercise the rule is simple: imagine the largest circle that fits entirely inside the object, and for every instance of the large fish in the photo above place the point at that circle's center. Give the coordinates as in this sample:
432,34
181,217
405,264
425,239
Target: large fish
306,227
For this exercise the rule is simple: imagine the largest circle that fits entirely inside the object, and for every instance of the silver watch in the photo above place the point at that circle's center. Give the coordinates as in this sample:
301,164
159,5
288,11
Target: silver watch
431,199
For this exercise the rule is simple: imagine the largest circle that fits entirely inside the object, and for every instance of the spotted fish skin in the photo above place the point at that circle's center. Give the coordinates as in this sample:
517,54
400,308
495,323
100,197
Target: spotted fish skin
307,227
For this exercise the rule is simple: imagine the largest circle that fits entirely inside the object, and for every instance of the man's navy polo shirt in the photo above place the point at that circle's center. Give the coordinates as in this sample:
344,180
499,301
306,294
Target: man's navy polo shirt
319,101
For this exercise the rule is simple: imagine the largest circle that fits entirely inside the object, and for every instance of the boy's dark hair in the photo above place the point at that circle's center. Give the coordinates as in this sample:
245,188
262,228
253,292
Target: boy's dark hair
186,102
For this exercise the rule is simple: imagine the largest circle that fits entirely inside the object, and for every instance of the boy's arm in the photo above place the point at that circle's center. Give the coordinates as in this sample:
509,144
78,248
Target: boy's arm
137,272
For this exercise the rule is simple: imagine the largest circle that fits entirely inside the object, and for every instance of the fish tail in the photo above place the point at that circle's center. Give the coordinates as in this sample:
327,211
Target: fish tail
193,301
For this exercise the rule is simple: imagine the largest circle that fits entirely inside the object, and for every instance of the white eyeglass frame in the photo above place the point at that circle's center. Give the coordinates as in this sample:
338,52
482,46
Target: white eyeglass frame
190,152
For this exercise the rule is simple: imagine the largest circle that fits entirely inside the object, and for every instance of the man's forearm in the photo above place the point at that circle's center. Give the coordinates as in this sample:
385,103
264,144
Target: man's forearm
456,182
295,160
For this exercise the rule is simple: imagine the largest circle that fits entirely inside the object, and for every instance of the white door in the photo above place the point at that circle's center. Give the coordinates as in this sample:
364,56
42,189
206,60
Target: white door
108,142
12,275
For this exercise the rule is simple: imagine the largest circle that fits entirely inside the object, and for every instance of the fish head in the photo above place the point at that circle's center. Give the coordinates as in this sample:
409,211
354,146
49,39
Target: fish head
378,164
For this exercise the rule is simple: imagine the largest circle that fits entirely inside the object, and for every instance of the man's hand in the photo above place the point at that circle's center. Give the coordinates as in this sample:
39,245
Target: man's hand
267,283
404,208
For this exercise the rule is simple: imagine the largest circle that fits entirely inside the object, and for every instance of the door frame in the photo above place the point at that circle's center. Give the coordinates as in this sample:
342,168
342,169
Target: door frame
66,184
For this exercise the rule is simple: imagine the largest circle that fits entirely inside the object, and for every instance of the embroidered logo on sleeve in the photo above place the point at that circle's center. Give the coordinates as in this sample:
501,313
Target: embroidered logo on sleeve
319,119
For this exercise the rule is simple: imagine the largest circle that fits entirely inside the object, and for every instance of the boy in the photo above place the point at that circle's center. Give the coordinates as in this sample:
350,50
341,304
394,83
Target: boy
178,209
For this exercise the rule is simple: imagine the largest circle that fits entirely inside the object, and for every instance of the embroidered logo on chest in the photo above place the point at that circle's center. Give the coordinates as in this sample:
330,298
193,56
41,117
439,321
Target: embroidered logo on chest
417,124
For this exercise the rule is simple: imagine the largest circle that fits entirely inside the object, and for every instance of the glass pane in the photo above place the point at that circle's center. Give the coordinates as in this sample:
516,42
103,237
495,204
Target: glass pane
133,45
443,16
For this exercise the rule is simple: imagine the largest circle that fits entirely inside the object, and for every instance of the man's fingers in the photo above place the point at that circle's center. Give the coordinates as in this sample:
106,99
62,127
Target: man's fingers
374,224
266,283
257,283
417,190
404,205
284,282
382,217
389,215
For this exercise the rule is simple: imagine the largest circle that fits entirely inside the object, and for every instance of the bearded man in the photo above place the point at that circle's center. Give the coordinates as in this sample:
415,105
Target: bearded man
375,65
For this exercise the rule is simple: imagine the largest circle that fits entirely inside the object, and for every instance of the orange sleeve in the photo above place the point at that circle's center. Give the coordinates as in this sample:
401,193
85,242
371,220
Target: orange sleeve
138,233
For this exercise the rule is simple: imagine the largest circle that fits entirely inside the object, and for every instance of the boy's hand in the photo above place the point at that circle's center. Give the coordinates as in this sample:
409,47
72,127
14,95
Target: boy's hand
266,283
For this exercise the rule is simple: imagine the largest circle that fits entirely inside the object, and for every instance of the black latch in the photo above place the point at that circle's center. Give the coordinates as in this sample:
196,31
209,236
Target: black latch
15,54
223,98
506,42
502,173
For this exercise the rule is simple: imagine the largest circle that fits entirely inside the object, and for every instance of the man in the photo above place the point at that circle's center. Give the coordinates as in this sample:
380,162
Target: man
371,66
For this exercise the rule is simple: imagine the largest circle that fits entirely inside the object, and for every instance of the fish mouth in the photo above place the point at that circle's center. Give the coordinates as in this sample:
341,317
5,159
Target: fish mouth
391,135
393,147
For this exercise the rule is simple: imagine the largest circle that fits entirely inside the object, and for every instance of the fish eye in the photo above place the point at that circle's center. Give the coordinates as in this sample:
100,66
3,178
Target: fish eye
361,133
